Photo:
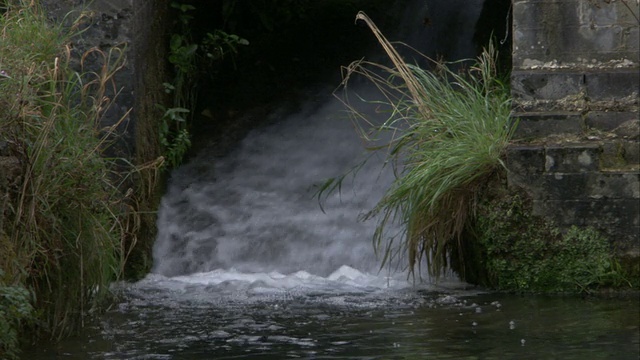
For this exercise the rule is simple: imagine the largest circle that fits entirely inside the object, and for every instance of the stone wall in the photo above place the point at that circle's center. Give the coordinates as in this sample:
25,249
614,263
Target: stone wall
139,28
575,85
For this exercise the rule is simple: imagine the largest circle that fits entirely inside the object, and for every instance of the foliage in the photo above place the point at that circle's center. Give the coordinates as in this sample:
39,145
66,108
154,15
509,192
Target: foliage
447,132
526,253
15,309
62,223
191,60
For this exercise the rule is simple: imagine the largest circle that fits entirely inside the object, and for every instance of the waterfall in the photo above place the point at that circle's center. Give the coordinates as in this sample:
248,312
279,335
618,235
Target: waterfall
254,212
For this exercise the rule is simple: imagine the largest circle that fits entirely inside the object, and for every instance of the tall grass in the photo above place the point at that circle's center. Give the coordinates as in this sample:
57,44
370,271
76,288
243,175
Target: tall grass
445,133
61,232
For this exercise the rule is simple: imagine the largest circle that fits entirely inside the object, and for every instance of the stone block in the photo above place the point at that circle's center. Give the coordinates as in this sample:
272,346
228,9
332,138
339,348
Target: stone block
545,85
608,120
571,31
615,185
572,158
525,165
620,154
612,84
628,130
535,125
627,241
631,152
586,186
564,187
631,42
537,27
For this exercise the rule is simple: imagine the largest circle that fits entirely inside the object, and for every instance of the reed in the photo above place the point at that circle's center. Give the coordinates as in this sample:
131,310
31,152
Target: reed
444,135
61,226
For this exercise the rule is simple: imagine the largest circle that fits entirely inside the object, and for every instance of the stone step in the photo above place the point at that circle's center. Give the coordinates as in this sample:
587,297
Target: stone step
616,154
620,154
529,160
538,125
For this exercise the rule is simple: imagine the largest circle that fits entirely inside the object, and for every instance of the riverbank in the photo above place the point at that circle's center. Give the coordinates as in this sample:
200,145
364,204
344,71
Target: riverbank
64,216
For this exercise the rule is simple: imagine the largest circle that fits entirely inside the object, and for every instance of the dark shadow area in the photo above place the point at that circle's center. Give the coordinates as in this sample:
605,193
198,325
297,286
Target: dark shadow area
495,24
293,46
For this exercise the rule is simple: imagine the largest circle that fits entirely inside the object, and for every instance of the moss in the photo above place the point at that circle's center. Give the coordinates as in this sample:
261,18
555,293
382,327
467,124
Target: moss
511,249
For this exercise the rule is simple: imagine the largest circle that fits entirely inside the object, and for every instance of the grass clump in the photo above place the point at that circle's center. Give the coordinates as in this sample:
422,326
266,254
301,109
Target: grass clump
60,224
446,132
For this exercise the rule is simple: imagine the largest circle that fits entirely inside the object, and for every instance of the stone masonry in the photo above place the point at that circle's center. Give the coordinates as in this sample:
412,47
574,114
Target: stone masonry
575,85
139,28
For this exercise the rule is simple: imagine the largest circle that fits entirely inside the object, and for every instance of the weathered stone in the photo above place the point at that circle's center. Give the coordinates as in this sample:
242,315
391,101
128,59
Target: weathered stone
628,130
608,120
564,187
572,158
617,218
535,125
619,154
631,152
573,31
525,164
585,186
544,85
105,35
612,84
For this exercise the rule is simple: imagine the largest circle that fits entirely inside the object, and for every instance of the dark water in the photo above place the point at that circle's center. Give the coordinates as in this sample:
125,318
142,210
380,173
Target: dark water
363,323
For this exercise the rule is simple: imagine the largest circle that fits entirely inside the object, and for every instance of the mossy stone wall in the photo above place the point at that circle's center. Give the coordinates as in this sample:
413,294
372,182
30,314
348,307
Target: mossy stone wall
140,28
575,88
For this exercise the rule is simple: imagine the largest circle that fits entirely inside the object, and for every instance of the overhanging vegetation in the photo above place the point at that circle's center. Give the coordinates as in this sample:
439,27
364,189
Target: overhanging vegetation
61,218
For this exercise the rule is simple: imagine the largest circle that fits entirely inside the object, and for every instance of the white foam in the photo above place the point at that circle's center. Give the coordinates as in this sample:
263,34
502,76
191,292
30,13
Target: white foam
344,279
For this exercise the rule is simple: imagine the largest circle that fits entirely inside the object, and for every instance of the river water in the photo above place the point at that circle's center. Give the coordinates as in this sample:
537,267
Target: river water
247,265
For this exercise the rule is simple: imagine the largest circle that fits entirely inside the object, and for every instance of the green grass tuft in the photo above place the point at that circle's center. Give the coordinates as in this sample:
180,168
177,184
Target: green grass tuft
62,221
446,132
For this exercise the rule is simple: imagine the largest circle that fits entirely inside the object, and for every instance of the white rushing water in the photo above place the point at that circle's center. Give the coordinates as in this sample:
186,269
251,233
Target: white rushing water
251,217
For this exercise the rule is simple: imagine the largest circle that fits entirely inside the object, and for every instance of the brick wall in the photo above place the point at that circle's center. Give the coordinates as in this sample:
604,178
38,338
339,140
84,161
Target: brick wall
575,84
